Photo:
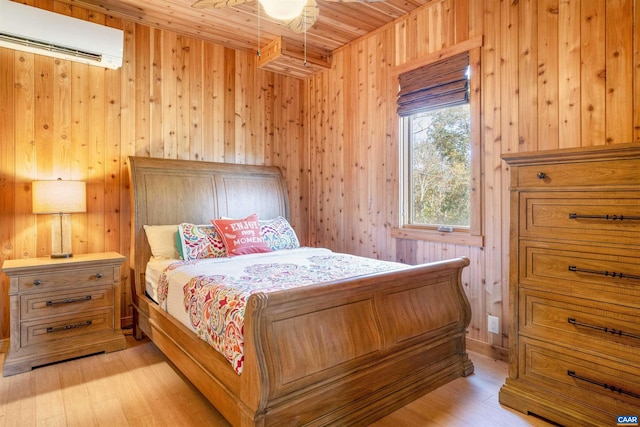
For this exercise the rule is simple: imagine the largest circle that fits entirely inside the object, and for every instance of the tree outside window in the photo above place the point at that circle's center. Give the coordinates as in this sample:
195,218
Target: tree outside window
439,152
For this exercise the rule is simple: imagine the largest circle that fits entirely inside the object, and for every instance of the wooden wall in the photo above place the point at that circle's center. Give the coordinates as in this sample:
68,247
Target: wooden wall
555,74
174,97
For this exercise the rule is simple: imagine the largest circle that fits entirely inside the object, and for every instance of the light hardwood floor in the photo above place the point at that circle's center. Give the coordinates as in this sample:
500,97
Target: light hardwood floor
139,387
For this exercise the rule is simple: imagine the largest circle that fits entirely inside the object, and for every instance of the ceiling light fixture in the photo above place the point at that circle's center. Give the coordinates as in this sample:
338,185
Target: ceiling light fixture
283,10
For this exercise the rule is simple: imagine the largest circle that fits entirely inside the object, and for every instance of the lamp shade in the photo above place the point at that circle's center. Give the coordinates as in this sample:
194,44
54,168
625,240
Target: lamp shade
59,197
283,9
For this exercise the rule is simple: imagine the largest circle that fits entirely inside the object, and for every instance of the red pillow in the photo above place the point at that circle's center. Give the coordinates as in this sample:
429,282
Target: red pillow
241,236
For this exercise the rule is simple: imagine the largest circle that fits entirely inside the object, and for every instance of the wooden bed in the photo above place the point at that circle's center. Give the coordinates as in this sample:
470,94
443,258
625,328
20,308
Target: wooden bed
302,365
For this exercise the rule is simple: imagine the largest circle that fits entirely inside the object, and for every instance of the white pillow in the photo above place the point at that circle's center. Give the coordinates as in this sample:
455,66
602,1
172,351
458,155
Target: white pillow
162,239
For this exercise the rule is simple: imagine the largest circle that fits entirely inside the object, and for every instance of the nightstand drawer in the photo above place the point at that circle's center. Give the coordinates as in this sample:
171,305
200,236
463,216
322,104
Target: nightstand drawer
38,305
57,328
602,382
69,278
607,217
589,325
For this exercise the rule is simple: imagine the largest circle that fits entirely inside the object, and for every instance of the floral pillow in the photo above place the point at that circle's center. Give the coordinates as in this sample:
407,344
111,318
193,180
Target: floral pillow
200,241
241,236
278,234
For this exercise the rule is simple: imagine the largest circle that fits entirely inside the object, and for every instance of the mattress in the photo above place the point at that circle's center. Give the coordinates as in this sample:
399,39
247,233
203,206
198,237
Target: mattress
208,296
174,303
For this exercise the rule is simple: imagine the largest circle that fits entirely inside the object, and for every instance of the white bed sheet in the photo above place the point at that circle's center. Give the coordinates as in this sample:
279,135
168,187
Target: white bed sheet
175,296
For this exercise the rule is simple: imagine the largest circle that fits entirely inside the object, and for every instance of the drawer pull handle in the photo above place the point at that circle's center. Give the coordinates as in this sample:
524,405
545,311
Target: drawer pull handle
605,217
67,327
605,329
615,389
68,301
541,175
37,282
604,273
98,275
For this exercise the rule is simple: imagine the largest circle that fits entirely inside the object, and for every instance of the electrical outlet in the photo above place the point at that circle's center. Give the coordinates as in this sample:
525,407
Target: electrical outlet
493,325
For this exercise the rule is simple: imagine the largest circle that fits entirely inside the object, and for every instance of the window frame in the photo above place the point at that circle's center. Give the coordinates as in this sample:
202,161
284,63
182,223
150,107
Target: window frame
471,236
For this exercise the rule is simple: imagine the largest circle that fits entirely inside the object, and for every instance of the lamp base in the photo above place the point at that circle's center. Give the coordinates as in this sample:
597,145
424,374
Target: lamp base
61,235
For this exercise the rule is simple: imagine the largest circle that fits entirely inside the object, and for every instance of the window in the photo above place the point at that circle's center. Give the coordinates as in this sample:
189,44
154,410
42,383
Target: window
440,158
439,167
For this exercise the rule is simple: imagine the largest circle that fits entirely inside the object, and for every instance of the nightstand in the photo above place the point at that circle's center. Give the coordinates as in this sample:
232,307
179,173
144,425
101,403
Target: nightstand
63,308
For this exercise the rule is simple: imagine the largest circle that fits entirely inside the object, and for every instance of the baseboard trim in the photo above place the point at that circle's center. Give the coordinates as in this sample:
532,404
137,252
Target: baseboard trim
489,350
126,322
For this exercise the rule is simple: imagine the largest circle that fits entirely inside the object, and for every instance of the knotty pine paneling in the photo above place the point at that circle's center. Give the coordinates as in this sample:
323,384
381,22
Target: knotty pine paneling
174,97
492,299
555,74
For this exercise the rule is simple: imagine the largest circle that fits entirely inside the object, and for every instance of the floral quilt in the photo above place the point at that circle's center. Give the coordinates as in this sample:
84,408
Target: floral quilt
217,291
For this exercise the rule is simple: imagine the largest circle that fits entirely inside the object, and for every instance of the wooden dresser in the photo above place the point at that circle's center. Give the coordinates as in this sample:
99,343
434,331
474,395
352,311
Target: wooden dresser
63,308
574,344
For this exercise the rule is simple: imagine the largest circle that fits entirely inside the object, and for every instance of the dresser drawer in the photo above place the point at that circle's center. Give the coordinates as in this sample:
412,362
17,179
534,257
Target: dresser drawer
590,272
592,326
69,278
62,327
604,172
587,216
582,377
38,305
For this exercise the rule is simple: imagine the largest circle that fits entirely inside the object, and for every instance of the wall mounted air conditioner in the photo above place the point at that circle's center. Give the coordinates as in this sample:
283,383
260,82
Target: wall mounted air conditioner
39,31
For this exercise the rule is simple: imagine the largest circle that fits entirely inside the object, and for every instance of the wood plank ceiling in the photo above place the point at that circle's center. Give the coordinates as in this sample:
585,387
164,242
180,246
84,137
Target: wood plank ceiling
237,27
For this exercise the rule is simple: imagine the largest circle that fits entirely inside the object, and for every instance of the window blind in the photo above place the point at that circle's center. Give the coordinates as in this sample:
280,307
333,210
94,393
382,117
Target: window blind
441,84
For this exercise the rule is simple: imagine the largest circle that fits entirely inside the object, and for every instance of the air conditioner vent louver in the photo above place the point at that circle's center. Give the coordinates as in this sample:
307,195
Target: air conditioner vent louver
34,44
34,30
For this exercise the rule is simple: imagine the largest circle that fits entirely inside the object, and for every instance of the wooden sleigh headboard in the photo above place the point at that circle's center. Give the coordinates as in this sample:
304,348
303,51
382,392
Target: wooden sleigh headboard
166,192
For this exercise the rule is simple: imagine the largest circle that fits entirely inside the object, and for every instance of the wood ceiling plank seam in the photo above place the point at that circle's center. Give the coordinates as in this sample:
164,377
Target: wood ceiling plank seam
382,10
347,13
336,29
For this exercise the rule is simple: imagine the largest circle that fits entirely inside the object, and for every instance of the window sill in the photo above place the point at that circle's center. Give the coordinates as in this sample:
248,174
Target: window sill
455,238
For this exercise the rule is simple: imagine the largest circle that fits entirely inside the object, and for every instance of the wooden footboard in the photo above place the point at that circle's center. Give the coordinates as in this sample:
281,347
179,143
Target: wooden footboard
354,350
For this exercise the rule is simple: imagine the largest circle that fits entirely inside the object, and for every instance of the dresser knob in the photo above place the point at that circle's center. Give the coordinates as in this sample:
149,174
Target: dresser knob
541,175
37,282
98,275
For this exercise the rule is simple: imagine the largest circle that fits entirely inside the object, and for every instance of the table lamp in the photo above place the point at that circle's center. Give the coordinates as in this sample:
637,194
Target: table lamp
60,199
